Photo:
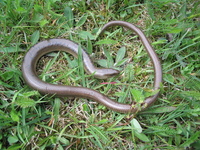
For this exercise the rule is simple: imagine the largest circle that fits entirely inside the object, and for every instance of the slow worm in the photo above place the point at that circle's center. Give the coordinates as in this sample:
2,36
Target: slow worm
37,51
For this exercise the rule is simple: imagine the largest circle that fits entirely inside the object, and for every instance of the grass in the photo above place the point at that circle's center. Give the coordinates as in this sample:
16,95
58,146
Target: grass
29,120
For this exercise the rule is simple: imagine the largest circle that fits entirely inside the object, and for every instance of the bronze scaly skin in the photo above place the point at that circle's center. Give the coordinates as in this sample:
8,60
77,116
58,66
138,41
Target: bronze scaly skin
44,47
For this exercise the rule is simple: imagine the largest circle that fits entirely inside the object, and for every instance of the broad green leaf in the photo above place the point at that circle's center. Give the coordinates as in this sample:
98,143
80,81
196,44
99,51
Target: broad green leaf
15,147
123,61
12,139
103,63
69,16
110,61
13,49
37,17
138,95
7,75
82,20
136,125
106,41
142,136
175,30
102,121
60,147
38,8
35,37
21,10
120,54
148,93
85,35
108,4
43,22
85,107
14,116
123,14
160,41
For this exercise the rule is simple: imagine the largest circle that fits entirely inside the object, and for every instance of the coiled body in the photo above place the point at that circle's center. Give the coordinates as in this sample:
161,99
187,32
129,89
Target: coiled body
37,51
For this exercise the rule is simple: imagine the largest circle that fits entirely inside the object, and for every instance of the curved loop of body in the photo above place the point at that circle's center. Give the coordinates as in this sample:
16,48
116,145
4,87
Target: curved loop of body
44,47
